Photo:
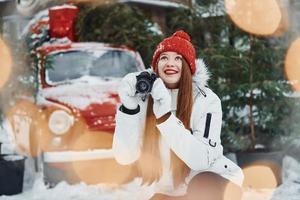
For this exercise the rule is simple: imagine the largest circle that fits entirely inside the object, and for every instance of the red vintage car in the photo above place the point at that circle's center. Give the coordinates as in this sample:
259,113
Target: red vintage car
69,127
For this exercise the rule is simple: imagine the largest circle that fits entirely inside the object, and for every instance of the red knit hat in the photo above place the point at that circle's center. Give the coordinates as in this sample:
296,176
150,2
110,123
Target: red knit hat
179,42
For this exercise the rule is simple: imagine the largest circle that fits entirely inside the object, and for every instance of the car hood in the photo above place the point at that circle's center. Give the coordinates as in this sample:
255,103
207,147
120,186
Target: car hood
82,94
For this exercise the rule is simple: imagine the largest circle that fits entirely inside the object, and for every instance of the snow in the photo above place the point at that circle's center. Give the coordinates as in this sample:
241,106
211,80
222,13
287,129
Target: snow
295,94
81,96
7,145
63,6
80,191
3,136
63,41
42,15
22,127
293,172
156,29
155,3
35,189
13,157
289,190
7,148
213,10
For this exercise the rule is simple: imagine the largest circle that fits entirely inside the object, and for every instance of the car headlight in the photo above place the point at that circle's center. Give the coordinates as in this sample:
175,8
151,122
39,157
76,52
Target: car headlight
60,122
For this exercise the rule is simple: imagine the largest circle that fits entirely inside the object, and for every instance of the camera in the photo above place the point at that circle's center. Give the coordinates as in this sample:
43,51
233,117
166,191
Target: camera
144,82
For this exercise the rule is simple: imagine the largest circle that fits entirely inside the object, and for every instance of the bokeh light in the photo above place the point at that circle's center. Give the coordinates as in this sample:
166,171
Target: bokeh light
99,170
284,24
259,176
92,140
103,171
6,63
255,16
232,191
292,64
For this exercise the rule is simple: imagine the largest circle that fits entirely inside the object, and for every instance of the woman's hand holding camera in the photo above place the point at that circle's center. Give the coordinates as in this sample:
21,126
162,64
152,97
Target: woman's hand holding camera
161,98
127,91
160,94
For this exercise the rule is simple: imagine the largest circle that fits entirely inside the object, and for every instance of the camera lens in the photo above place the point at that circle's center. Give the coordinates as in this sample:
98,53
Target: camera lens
142,86
144,82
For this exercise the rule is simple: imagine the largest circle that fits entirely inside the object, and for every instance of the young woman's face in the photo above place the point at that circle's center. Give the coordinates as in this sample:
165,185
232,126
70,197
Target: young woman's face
169,68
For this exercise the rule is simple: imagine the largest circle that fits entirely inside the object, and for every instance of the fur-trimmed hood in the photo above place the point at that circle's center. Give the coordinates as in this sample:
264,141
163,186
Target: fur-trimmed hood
200,78
202,75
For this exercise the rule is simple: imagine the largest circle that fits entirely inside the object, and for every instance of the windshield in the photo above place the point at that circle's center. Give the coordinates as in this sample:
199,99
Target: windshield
71,65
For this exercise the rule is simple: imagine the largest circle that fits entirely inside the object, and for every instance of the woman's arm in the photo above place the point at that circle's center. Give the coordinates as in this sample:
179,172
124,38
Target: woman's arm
201,146
127,137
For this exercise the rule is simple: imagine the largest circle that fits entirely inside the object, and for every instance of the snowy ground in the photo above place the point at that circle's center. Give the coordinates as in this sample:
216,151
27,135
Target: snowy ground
289,190
84,192
34,188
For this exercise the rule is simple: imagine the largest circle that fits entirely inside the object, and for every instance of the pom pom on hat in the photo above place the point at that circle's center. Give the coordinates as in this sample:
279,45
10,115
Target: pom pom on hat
183,35
179,42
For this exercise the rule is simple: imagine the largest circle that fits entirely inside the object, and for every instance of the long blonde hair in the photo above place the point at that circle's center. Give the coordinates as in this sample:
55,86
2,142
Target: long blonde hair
150,165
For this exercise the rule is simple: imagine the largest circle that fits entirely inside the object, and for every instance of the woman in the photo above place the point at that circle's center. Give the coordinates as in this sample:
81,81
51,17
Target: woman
174,136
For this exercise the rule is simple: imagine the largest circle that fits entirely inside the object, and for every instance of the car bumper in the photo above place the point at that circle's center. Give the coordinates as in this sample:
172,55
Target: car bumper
72,156
92,167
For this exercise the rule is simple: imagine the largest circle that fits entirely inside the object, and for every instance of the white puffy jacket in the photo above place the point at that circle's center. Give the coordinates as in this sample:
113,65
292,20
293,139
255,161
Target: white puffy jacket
200,149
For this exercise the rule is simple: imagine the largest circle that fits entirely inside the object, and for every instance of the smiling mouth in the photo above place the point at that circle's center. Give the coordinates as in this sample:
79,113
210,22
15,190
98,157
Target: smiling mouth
170,71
